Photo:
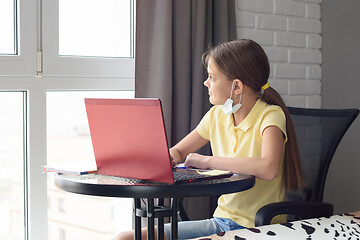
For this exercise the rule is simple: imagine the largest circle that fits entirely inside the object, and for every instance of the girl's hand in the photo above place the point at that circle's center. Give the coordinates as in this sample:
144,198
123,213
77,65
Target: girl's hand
173,161
191,143
174,157
197,161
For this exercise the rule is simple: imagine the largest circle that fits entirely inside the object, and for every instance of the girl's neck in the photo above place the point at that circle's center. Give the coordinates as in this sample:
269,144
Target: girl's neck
248,103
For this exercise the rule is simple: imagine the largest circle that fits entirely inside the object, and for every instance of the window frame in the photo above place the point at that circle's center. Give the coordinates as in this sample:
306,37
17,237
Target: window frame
19,73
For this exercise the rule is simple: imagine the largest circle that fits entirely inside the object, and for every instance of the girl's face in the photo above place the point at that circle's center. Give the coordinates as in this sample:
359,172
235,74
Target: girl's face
217,83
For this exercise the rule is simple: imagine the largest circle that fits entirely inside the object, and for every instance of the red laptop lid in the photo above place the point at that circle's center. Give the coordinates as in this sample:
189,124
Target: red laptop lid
129,139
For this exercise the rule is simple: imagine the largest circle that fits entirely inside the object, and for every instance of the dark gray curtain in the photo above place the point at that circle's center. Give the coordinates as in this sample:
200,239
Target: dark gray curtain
171,36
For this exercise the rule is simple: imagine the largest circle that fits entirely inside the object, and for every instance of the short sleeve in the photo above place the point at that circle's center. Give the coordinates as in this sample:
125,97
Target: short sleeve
203,128
274,117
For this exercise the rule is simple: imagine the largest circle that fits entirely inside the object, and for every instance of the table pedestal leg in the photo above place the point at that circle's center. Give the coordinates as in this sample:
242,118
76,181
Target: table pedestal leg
150,219
174,220
160,221
137,219
150,211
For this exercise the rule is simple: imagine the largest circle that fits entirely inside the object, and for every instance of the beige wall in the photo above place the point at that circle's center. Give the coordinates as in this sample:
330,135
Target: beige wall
290,33
331,79
341,89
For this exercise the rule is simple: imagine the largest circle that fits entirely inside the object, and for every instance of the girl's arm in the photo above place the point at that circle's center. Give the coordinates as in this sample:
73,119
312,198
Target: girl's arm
189,144
266,167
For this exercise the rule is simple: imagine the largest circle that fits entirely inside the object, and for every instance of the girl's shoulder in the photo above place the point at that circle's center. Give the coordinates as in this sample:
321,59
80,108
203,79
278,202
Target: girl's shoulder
271,110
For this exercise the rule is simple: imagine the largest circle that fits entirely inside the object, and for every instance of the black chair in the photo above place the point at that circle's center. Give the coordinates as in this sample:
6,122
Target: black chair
319,132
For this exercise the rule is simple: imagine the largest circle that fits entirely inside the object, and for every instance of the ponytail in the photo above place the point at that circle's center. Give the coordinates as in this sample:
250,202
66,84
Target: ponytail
294,175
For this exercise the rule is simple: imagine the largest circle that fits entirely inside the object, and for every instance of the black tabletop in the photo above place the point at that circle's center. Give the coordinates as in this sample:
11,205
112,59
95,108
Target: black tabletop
101,185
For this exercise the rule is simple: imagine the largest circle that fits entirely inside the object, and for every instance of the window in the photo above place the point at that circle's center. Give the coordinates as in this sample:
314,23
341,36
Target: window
68,140
102,31
43,69
8,40
105,28
11,165
18,38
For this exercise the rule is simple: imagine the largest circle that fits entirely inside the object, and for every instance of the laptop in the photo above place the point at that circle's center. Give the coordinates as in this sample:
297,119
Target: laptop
129,141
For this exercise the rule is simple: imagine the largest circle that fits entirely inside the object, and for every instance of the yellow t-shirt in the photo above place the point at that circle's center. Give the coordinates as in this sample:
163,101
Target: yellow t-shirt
245,140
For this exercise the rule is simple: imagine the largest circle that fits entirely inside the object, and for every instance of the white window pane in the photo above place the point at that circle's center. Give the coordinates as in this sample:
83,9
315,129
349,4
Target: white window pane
11,166
7,27
68,141
95,28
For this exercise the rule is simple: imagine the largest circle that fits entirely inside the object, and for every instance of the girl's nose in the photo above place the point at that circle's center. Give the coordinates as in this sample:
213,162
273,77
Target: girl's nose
206,83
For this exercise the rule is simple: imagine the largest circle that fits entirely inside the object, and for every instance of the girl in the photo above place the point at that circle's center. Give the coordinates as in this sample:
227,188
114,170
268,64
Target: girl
250,132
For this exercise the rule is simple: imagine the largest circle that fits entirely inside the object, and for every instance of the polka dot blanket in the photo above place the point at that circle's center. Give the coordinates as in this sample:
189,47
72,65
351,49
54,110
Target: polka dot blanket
343,226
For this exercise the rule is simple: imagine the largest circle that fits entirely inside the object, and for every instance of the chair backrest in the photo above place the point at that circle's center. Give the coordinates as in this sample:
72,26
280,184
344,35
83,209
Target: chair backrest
319,132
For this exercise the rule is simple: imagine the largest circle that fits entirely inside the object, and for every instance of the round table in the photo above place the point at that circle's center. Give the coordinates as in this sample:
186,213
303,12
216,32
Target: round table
101,185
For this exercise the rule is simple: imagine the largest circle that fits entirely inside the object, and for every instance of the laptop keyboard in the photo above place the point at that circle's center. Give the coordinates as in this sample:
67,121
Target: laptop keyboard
186,176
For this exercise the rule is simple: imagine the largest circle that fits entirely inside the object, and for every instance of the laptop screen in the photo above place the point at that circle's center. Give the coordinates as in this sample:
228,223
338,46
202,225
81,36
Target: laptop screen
129,139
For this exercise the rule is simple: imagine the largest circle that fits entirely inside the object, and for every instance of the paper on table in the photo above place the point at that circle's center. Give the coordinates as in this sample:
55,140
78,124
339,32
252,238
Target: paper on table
71,169
212,172
180,165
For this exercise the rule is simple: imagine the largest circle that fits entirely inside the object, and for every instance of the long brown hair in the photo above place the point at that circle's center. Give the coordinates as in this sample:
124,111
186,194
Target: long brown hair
246,60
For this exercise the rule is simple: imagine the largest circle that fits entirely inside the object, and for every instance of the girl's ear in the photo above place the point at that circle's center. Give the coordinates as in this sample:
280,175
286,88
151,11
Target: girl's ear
238,86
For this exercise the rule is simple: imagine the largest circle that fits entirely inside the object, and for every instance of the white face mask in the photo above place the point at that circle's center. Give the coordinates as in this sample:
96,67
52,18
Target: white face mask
228,107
